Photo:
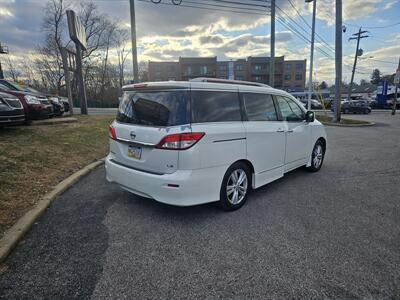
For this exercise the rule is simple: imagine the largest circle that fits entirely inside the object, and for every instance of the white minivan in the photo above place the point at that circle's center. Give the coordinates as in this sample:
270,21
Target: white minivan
207,140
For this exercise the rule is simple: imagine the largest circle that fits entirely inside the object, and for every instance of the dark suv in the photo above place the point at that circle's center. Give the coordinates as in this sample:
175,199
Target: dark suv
36,106
356,107
11,110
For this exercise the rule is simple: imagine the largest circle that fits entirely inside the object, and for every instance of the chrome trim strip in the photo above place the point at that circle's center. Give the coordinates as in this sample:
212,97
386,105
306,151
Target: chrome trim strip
229,140
13,116
135,142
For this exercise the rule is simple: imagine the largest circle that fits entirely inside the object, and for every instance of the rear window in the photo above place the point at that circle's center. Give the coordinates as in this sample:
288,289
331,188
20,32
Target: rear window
215,106
154,108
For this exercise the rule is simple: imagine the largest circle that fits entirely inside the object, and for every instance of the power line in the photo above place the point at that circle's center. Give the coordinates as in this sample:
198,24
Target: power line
238,3
316,33
223,6
291,28
378,60
373,27
210,7
324,44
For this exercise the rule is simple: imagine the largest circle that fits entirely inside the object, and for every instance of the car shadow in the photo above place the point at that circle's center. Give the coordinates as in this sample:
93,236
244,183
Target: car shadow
150,207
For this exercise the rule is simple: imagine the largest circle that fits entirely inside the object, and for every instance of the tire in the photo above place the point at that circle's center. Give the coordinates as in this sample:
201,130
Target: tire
366,111
318,151
346,111
228,201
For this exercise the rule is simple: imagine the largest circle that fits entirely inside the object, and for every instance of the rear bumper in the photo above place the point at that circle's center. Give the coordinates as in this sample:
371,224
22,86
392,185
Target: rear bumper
193,186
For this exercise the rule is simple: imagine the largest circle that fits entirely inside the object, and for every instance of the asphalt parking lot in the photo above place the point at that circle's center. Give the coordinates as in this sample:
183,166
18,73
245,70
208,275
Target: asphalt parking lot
332,234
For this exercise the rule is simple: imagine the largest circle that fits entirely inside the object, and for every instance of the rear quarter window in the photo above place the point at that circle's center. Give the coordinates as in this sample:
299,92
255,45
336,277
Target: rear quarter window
154,108
215,106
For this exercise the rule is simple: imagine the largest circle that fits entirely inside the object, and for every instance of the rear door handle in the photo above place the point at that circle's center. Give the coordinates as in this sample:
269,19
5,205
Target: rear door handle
280,130
290,130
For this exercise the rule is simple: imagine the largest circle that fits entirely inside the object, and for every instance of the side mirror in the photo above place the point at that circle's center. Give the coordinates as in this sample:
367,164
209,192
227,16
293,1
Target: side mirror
310,116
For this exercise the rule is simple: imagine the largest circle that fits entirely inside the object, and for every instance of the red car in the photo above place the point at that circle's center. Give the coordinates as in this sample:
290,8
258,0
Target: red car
35,106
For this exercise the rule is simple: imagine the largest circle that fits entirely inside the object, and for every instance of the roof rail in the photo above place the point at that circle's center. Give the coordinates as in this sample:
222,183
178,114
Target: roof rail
227,81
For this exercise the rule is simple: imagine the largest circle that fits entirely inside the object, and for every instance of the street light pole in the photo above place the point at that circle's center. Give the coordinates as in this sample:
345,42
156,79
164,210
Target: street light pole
310,84
338,61
397,80
133,38
272,53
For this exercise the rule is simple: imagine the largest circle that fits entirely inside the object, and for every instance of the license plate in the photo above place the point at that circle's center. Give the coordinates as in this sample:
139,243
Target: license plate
135,152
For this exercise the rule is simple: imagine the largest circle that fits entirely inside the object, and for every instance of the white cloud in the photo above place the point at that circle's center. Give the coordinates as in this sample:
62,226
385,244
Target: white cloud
390,4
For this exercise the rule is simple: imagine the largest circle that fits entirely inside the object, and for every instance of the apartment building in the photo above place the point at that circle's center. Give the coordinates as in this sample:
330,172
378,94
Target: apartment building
258,70
290,75
294,75
192,67
164,71
232,69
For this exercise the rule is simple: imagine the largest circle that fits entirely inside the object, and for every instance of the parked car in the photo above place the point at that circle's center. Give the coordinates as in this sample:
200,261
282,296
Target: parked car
35,106
314,103
356,107
206,140
65,102
58,106
11,110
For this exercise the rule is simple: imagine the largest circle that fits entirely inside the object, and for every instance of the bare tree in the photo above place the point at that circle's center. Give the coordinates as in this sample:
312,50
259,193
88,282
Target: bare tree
121,40
108,33
50,62
12,71
143,72
102,75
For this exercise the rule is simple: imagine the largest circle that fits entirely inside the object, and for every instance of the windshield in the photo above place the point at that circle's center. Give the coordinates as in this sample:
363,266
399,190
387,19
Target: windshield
15,86
154,108
4,87
29,89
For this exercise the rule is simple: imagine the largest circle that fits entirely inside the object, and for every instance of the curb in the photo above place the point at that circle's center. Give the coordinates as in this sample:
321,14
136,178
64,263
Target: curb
13,235
348,125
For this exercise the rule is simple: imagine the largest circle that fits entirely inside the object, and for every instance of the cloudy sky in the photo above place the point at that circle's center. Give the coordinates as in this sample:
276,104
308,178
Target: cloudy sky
166,32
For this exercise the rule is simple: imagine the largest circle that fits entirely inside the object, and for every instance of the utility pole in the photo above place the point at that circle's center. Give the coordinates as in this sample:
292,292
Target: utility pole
310,87
133,38
397,81
272,58
356,36
338,60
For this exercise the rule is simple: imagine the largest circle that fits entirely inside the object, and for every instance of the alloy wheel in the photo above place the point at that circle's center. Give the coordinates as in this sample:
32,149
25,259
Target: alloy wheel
317,156
236,187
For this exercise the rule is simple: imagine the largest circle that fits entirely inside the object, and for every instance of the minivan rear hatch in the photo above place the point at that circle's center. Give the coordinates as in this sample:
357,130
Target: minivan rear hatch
145,117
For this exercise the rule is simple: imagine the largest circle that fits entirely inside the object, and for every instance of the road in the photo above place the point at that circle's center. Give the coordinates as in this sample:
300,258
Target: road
332,234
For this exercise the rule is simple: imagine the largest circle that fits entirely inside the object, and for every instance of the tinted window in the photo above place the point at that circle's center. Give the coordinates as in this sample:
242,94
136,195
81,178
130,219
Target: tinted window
214,106
290,110
259,107
161,108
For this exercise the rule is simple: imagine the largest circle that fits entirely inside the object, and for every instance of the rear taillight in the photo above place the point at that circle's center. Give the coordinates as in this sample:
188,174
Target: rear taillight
180,141
112,133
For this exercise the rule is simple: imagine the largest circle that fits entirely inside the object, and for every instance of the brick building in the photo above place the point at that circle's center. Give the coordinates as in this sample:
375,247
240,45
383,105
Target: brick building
192,67
290,75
